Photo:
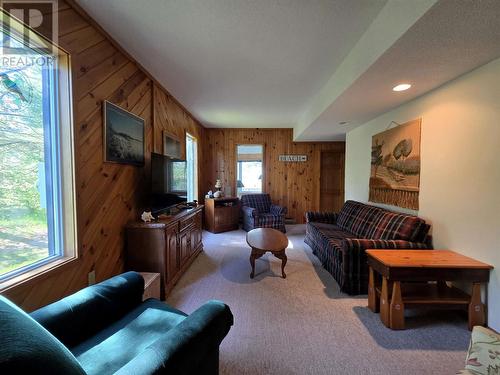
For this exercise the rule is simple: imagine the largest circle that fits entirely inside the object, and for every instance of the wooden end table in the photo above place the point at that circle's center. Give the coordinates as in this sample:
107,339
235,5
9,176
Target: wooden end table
262,240
405,278
151,285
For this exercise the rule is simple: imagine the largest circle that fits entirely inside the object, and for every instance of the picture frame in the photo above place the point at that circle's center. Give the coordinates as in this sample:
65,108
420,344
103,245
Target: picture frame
395,166
123,136
172,146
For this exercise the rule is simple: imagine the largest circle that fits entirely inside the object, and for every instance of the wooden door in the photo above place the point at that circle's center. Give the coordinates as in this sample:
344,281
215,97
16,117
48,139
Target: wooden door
173,264
185,244
331,181
224,216
196,233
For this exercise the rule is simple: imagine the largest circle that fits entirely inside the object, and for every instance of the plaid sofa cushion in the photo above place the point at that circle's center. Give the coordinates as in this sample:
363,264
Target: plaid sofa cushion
367,221
324,232
357,218
262,202
391,226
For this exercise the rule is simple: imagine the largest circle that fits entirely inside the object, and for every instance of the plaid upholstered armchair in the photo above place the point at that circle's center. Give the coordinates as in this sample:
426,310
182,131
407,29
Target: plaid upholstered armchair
258,212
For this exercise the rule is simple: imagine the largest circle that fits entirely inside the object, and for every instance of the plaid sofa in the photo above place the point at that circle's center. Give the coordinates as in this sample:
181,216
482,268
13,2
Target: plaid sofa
339,240
258,212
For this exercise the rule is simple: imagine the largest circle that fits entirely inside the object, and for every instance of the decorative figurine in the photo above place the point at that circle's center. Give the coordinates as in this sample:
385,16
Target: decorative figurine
218,184
147,216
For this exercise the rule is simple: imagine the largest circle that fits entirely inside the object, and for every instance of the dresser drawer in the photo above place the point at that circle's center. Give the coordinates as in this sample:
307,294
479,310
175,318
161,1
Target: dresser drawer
183,224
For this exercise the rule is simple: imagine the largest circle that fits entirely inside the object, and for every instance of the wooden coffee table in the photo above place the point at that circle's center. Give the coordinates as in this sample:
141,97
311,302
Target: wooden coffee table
405,275
262,240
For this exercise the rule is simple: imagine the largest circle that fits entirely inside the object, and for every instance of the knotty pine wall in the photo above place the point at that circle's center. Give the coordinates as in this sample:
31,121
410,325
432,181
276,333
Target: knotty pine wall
108,195
170,118
294,185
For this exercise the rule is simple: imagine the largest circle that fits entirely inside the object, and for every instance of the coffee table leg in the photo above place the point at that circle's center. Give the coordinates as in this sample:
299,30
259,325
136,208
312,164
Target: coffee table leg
397,308
253,256
384,303
282,255
476,307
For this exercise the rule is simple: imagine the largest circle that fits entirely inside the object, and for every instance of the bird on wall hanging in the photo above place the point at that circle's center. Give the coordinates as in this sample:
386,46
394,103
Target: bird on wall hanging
12,86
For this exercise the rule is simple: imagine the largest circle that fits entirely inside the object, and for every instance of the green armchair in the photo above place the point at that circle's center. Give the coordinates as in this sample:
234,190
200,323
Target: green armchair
107,329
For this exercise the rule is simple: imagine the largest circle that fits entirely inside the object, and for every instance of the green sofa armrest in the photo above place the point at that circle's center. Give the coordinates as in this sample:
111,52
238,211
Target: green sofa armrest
27,348
184,348
79,316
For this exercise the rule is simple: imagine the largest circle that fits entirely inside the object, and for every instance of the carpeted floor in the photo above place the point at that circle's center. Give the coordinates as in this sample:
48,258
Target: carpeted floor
303,324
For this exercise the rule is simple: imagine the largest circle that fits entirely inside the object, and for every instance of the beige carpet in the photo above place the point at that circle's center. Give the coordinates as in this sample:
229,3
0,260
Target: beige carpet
303,324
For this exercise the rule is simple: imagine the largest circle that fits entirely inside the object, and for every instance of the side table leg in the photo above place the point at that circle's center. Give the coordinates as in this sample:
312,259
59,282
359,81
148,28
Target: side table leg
476,307
397,308
384,303
373,302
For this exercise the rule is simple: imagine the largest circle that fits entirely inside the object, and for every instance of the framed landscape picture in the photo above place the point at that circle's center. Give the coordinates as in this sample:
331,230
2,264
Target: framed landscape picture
171,146
123,136
395,166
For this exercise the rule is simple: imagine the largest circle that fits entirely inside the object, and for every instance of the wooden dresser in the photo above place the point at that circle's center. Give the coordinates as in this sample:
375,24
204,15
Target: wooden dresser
167,246
222,214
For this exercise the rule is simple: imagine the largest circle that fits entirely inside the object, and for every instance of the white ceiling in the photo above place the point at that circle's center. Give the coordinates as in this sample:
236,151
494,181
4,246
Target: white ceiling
301,64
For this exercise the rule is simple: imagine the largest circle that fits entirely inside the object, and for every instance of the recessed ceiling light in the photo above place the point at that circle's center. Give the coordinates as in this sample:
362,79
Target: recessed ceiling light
401,87
344,123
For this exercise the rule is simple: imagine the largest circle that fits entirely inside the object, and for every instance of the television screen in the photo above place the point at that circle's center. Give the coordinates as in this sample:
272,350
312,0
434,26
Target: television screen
168,181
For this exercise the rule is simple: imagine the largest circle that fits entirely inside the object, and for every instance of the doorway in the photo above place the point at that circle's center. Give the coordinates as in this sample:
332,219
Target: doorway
332,181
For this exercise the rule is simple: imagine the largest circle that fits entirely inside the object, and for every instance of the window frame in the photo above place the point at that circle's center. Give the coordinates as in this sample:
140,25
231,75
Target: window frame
59,159
195,167
263,180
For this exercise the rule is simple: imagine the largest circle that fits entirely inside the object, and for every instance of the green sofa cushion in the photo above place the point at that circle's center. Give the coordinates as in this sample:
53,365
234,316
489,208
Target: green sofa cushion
28,348
94,308
119,343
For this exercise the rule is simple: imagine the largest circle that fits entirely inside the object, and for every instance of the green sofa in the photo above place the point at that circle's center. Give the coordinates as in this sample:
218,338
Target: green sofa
107,329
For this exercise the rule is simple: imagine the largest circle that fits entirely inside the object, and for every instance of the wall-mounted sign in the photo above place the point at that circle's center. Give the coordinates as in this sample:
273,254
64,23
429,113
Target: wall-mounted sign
293,158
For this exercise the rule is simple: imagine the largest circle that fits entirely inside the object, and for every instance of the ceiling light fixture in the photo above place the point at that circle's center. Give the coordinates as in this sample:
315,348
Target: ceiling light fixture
401,87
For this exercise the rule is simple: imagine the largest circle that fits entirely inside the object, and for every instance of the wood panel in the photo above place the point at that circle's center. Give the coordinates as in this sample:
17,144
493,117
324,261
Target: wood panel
108,195
292,184
171,118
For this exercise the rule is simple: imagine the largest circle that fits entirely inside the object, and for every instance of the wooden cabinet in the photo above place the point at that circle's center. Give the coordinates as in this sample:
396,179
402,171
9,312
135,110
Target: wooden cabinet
222,214
172,253
167,246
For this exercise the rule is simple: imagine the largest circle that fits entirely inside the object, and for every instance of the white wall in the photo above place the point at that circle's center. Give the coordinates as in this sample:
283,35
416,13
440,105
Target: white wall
460,171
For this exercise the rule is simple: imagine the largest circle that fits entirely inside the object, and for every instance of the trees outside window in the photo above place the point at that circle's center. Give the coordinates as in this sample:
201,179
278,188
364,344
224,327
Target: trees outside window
37,213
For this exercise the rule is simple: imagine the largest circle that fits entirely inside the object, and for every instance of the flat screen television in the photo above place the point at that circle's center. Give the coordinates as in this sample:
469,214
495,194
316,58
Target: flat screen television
168,182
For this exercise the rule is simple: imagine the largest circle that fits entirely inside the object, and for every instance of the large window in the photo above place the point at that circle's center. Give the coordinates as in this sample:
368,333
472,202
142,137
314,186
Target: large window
37,209
249,169
192,167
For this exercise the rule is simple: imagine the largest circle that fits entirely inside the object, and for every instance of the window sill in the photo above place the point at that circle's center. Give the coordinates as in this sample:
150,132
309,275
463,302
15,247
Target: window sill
37,273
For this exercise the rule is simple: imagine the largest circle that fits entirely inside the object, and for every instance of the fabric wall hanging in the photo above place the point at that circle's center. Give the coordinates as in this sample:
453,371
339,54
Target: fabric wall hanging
395,166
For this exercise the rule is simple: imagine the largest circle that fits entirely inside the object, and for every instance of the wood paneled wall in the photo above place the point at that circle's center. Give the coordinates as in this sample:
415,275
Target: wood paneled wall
171,119
109,195
295,185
